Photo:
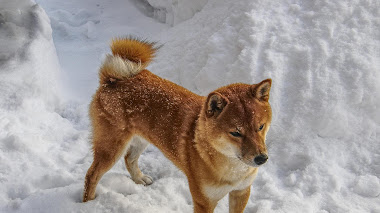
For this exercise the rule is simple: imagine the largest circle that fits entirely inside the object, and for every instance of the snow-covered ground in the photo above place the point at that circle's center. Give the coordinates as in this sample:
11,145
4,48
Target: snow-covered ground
323,57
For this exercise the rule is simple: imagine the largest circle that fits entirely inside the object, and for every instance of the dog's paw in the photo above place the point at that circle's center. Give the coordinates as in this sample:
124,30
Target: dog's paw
144,180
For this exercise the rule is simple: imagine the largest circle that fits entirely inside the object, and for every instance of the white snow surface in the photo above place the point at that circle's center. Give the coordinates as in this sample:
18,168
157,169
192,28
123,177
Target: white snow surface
172,12
323,57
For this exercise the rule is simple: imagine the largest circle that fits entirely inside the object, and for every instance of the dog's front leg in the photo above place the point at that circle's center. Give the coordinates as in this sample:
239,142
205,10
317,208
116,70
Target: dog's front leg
204,207
202,204
238,200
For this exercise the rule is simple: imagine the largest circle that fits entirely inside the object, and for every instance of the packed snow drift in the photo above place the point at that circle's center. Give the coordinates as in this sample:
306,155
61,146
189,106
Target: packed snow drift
323,58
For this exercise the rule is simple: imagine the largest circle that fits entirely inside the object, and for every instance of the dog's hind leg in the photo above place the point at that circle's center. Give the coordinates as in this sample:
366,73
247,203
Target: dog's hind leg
107,148
135,149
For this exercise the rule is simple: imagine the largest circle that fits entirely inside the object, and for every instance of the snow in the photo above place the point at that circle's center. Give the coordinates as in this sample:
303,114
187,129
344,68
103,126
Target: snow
172,12
323,58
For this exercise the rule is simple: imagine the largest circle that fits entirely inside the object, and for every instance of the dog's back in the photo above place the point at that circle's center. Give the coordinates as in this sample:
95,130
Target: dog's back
132,98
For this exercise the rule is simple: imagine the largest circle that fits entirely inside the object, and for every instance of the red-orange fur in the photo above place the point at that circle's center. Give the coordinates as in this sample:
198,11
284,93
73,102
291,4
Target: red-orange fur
133,49
192,131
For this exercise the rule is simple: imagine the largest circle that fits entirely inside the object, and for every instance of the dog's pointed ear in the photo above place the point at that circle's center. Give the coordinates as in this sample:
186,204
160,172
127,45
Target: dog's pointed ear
215,104
262,89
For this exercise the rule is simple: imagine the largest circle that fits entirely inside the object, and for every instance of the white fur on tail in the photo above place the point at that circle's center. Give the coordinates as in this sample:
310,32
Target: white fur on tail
129,57
121,67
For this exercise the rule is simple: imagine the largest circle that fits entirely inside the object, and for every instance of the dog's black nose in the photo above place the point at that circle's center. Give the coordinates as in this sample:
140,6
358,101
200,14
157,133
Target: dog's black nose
261,159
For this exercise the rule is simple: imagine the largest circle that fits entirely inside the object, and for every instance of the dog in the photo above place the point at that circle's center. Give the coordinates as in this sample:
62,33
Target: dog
218,141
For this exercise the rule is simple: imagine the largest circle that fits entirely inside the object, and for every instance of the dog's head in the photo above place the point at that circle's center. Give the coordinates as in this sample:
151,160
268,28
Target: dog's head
236,119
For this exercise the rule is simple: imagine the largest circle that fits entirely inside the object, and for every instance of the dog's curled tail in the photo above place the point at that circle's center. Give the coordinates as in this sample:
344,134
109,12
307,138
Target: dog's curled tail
130,56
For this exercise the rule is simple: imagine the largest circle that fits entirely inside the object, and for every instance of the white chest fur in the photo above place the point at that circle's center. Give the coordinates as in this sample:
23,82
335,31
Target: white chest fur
239,182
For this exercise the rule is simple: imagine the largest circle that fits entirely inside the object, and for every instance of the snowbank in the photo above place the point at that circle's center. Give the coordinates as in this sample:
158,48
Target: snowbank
29,64
29,123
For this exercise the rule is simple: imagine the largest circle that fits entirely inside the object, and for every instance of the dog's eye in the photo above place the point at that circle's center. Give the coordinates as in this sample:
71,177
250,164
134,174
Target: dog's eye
261,127
235,134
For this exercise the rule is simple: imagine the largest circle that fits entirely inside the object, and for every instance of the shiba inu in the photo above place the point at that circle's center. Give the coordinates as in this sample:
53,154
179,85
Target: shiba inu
218,141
